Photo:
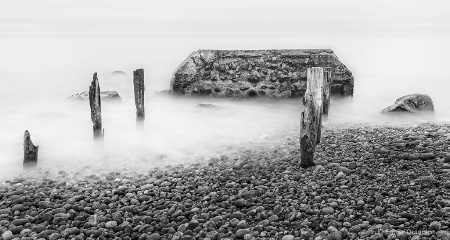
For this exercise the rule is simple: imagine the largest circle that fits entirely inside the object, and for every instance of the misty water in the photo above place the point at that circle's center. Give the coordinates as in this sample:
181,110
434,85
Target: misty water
50,50
176,130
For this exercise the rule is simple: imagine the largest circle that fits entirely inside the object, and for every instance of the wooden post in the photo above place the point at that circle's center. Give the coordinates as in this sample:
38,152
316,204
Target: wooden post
96,107
139,88
326,89
311,118
30,152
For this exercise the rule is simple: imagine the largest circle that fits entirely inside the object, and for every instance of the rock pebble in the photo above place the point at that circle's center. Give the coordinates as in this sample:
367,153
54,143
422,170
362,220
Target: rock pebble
383,184
435,226
111,224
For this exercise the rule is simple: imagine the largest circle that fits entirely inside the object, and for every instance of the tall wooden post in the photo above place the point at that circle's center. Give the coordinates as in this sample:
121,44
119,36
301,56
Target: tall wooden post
311,118
326,89
139,88
96,107
30,152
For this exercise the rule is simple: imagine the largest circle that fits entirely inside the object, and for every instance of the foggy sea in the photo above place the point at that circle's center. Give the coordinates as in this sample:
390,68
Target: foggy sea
49,50
176,129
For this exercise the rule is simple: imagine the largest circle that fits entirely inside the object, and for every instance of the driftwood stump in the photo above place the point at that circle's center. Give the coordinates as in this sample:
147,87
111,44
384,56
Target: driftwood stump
139,88
326,89
96,107
311,118
30,152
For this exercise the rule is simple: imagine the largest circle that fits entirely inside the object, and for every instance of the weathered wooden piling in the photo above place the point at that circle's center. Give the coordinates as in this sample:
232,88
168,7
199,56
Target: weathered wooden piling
96,107
30,152
311,117
326,90
139,88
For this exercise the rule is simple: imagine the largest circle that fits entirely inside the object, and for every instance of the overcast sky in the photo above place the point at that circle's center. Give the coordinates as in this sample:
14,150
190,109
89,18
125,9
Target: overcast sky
146,18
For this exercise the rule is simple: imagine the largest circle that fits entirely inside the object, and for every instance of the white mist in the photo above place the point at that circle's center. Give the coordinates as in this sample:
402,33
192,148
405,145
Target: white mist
50,49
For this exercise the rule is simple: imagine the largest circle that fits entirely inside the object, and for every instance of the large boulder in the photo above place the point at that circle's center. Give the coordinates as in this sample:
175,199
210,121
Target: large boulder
413,103
251,73
109,96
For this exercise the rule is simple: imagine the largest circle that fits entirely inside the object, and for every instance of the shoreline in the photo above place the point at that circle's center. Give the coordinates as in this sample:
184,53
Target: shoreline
368,178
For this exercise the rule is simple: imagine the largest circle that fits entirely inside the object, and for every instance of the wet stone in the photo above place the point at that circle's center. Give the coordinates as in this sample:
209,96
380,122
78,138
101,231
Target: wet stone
21,221
327,210
18,207
435,226
111,224
241,232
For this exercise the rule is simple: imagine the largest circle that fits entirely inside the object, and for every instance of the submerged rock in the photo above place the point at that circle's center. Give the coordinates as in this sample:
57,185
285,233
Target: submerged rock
163,92
253,73
413,103
207,105
111,96
119,73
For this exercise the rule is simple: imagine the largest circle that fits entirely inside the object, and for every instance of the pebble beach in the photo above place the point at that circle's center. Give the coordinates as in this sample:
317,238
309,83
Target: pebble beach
369,182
